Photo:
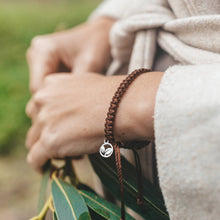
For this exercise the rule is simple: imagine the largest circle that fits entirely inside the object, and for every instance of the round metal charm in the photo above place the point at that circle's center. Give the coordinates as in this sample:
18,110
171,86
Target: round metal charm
106,149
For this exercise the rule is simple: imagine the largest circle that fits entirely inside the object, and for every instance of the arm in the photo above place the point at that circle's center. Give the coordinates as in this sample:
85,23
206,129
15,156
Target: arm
69,119
187,118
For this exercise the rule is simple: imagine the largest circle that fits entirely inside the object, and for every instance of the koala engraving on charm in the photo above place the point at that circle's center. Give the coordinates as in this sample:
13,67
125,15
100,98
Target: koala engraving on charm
106,149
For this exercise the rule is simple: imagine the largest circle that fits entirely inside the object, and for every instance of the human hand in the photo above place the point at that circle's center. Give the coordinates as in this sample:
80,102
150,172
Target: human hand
84,48
69,111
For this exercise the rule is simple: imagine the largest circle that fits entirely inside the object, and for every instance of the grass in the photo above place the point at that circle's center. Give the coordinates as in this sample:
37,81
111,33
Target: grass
20,22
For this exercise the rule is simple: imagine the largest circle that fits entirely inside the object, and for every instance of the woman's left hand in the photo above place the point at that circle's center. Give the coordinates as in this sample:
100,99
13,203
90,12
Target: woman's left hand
68,114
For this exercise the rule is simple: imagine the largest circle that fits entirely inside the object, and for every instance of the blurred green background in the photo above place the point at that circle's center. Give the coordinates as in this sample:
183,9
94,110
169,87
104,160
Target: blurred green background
20,21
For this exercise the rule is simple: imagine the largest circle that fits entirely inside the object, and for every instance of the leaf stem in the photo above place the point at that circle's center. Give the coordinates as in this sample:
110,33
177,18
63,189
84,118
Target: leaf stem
51,206
44,209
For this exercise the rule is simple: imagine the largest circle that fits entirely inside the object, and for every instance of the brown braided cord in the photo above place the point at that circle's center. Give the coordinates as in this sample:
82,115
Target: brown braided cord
109,127
109,121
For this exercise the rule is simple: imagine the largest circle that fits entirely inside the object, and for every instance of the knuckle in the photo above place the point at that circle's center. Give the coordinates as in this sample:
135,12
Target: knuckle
39,98
44,43
28,109
42,117
48,139
32,88
31,109
38,41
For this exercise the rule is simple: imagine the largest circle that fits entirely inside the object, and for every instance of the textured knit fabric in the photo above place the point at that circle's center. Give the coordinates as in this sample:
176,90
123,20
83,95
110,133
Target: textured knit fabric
187,112
187,30
187,126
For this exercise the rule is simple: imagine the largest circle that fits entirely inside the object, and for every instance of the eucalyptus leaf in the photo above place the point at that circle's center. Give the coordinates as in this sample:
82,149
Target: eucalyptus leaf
82,186
55,216
68,203
93,214
102,207
96,216
153,208
43,188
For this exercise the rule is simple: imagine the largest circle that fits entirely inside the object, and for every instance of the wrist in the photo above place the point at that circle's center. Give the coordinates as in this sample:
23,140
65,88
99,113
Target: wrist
134,118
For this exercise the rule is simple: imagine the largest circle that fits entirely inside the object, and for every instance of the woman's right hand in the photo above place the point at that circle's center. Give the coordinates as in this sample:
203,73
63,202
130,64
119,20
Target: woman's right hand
84,48
68,120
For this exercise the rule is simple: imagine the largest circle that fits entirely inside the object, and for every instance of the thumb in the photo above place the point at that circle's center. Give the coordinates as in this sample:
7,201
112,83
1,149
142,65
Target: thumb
87,62
42,61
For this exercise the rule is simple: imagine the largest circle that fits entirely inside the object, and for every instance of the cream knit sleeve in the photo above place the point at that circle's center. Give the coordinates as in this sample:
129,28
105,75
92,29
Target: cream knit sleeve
187,132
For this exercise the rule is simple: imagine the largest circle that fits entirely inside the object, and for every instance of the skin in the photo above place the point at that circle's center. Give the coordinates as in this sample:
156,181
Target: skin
86,44
68,110
69,119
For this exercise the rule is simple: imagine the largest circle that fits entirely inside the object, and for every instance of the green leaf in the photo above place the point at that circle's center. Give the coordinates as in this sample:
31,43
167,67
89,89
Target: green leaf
154,207
82,186
95,215
43,188
68,203
55,216
102,207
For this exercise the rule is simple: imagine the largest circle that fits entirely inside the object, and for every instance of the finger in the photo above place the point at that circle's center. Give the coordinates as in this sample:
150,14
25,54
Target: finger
85,63
39,67
33,135
37,157
42,60
92,58
31,110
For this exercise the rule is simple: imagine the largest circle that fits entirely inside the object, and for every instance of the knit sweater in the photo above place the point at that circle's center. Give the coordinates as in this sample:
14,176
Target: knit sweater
187,111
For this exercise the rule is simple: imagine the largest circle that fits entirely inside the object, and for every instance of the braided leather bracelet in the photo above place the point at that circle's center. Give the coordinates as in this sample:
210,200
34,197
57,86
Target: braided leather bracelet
110,144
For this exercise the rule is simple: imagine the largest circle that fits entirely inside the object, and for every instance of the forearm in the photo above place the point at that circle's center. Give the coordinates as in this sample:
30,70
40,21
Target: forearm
134,119
69,112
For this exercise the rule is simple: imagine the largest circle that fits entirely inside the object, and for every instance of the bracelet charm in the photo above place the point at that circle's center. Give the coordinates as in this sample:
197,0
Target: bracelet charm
106,149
